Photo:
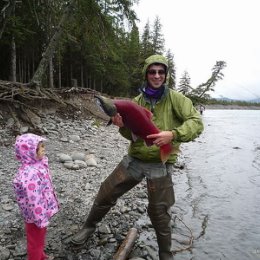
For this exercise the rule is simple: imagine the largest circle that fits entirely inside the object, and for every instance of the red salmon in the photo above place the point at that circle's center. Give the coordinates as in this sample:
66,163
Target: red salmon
136,118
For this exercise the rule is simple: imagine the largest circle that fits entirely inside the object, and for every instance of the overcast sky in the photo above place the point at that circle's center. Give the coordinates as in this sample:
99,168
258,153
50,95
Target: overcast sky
201,32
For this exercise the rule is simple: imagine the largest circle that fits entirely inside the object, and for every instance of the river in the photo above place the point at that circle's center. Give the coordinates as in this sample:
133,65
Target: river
218,192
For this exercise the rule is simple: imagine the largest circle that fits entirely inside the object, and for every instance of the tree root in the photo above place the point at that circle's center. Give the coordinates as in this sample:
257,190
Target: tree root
24,102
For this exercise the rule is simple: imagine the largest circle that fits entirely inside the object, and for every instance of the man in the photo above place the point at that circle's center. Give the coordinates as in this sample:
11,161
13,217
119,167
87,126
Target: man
179,122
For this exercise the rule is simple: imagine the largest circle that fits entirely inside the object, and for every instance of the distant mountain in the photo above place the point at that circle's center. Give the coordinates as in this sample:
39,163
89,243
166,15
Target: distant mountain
225,99
256,100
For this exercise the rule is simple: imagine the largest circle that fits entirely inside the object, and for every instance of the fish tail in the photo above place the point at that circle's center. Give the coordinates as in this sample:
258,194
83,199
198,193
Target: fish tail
166,150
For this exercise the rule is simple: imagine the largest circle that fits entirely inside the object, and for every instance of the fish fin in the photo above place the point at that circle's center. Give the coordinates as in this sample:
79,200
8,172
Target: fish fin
134,137
109,122
148,142
148,113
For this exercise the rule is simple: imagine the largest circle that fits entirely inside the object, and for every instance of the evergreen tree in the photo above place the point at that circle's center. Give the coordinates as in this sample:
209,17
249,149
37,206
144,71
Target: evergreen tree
202,90
171,70
184,85
134,61
91,47
146,42
157,37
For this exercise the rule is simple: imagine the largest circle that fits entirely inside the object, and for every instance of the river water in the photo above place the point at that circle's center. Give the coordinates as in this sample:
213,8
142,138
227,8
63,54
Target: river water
218,191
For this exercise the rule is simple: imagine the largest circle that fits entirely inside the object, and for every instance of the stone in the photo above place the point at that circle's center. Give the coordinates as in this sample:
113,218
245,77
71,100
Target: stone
64,158
4,253
78,156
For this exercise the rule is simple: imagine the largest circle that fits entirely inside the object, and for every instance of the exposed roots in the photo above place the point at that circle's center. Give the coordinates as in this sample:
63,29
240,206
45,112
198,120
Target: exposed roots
26,101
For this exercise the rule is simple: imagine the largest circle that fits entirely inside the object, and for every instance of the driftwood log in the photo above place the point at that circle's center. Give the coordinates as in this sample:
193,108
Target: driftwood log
127,245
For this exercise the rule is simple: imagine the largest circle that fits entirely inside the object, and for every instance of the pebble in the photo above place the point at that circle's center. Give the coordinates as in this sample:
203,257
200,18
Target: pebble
81,155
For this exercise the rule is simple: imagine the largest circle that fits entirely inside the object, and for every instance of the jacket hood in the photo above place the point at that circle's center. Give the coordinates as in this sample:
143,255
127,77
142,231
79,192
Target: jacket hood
26,147
155,59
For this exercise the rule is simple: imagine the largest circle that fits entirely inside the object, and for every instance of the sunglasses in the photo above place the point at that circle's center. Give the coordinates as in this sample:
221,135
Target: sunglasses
154,72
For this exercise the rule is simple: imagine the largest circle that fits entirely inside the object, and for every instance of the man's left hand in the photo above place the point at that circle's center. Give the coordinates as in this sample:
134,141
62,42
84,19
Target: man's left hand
161,138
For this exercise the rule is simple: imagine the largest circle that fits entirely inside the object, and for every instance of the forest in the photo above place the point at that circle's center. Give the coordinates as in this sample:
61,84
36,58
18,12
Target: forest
86,44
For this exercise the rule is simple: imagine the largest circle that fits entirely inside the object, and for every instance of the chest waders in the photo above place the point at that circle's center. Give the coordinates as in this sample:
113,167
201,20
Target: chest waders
114,186
161,198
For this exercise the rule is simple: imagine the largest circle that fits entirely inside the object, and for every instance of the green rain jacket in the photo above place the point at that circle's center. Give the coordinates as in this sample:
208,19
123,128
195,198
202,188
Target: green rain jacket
173,112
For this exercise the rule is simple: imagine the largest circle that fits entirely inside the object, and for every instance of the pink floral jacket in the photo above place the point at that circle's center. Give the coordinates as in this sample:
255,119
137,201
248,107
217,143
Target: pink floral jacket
32,184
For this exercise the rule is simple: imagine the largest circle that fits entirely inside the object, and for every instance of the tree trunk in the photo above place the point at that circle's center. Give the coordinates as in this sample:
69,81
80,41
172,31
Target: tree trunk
101,86
33,61
53,44
59,68
13,60
19,68
28,68
22,68
71,74
82,74
94,84
90,82
50,72
86,78
6,11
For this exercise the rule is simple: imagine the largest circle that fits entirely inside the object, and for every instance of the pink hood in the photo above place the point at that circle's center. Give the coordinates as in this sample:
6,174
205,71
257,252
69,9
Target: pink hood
26,146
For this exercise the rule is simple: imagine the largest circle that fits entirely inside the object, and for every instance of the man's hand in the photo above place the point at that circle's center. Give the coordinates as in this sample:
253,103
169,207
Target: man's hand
161,138
117,120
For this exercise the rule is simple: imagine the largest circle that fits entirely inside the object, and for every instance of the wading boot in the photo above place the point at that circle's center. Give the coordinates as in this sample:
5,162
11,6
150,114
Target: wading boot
161,198
114,186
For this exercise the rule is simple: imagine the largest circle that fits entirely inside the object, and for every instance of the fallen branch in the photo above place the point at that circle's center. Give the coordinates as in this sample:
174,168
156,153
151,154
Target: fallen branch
190,243
127,245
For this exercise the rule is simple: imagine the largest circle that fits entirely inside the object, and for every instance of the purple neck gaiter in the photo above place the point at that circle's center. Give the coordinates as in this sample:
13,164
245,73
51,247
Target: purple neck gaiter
155,93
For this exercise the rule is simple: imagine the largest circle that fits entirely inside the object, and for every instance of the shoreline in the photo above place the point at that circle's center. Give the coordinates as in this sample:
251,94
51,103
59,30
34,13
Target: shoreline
234,107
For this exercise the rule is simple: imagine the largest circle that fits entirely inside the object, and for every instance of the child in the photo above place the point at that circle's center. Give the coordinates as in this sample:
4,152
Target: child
34,192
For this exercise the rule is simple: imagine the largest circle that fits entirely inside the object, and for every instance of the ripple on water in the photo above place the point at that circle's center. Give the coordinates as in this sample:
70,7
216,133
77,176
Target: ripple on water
221,180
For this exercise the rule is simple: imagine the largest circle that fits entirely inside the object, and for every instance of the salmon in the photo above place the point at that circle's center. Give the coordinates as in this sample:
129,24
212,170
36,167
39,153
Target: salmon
136,118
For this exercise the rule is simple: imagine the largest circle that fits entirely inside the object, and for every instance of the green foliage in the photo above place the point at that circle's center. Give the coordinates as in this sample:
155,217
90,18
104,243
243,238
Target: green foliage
171,70
100,46
201,94
157,37
202,90
146,44
184,85
96,122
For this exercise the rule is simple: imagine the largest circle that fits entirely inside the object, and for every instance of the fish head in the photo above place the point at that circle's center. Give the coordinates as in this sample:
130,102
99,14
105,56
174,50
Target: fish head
106,105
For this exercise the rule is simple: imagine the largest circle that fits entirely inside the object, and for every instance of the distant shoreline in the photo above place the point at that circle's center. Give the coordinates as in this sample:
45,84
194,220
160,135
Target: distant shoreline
234,107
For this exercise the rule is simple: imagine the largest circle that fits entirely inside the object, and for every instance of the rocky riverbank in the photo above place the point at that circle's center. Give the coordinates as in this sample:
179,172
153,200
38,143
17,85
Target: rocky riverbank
92,151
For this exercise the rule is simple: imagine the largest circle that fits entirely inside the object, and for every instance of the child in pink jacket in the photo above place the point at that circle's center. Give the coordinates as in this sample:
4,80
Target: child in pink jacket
34,192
